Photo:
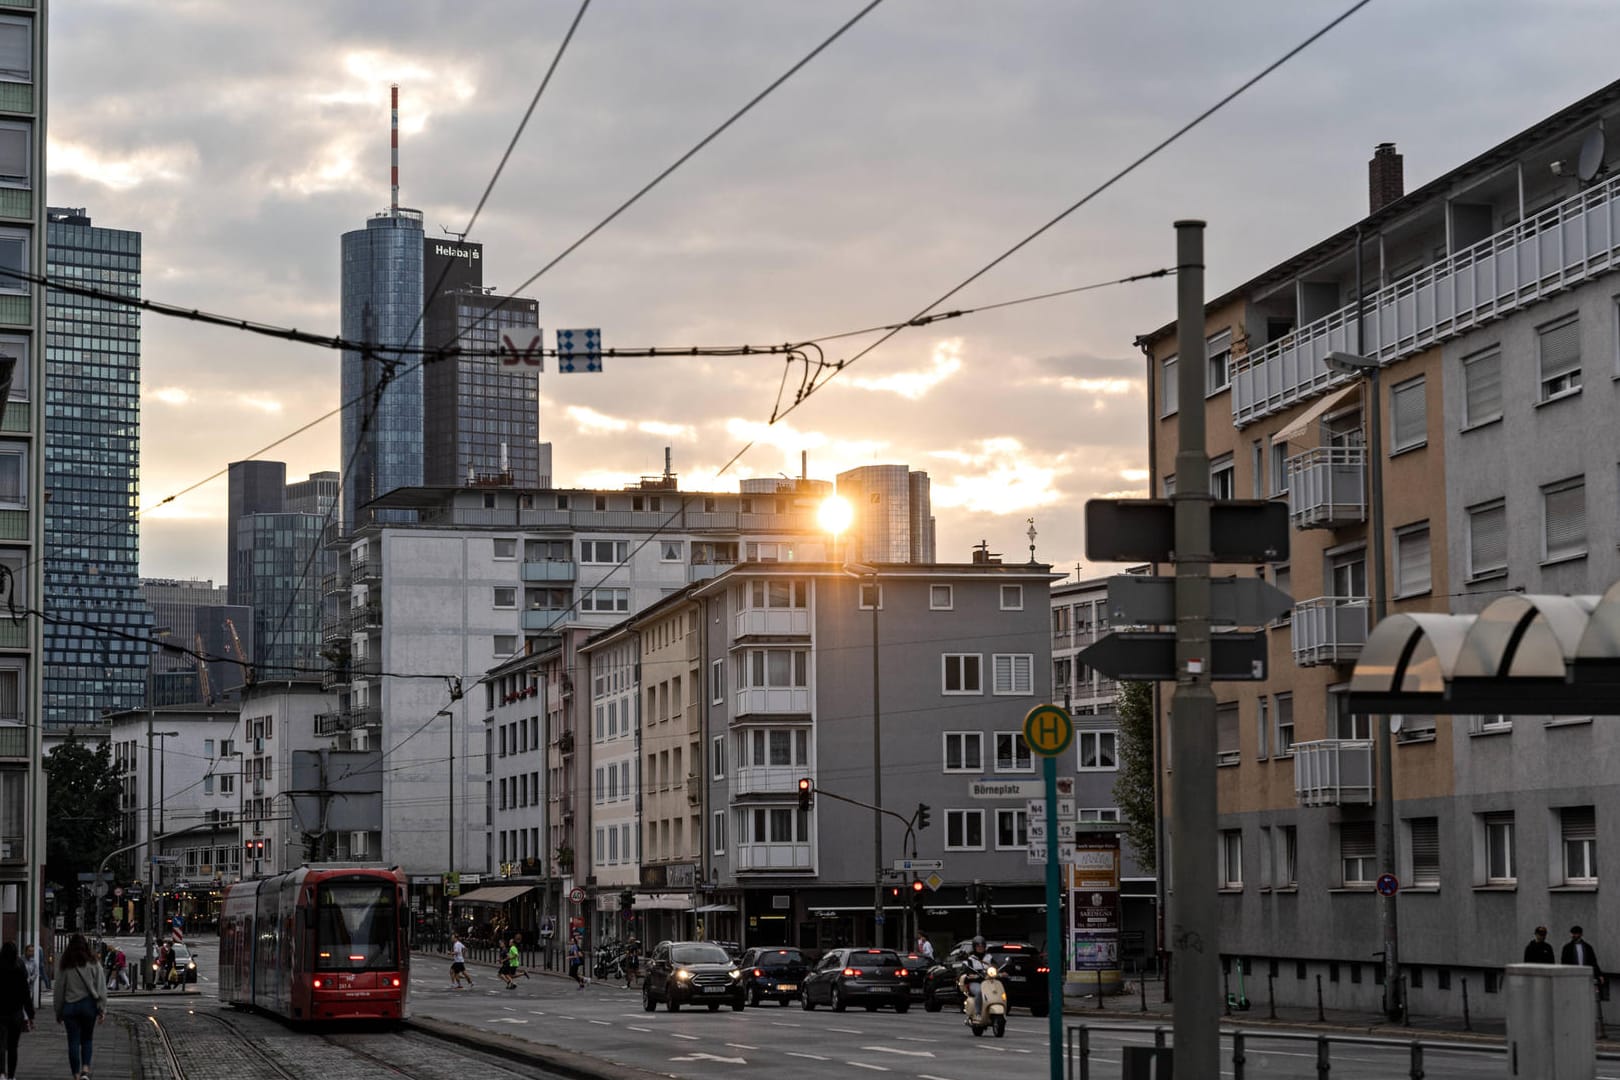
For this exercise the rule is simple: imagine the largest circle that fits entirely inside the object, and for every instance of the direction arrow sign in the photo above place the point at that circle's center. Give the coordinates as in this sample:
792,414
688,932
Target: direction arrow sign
919,864
1143,530
1142,600
1150,656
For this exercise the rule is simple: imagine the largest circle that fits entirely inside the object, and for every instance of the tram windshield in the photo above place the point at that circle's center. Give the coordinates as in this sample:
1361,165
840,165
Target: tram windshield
355,927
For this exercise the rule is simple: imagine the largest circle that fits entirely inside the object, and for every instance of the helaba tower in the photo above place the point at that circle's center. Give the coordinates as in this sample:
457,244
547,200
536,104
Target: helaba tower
382,384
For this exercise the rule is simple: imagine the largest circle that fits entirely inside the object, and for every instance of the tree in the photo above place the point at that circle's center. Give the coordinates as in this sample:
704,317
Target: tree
82,813
1133,788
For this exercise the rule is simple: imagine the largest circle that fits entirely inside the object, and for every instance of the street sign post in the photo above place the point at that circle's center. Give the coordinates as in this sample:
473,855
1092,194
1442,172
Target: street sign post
1049,731
1145,600
1150,656
1143,530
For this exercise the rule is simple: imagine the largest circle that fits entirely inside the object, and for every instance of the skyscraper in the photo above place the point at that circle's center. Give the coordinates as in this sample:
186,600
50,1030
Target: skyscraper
280,555
94,660
253,487
316,495
481,414
893,514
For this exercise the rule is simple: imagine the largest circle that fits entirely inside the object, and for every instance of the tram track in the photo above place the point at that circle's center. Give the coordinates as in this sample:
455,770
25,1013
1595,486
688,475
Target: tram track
424,1056
196,1049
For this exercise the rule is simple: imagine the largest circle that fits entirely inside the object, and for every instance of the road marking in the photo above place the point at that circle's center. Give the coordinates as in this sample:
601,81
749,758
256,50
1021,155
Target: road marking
711,1057
913,1038
925,1076
846,1031
536,1012
812,1057
742,1046
781,1023
604,1023
897,1050
678,1035
644,1031
864,1065
509,1020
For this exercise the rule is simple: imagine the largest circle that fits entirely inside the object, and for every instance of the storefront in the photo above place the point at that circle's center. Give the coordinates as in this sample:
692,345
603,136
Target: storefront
830,918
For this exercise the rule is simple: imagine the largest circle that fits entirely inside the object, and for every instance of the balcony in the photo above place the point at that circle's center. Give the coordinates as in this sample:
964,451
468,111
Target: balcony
772,701
365,617
364,569
1568,243
1327,487
328,724
782,622
332,584
694,789
1329,630
550,570
333,628
774,858
1334,772
334,677
361,716
768,779
545,618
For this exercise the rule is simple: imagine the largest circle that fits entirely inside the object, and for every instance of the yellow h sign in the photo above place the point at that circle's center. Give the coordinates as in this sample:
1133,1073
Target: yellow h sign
1048,730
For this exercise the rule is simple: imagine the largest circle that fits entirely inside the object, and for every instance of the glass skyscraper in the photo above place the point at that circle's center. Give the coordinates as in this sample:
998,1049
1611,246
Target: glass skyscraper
893,513
481,420
276,549
382,305
92,459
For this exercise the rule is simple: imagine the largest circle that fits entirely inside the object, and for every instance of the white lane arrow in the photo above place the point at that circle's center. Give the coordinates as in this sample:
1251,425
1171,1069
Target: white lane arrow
897,1050
711,1057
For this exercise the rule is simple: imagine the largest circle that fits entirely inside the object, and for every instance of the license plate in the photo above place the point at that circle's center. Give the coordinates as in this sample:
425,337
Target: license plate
1016,978
714,989
787,986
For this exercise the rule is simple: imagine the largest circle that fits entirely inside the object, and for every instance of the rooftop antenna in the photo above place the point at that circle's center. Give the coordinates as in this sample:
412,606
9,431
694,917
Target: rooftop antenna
393,148
461,237
804,464
668,464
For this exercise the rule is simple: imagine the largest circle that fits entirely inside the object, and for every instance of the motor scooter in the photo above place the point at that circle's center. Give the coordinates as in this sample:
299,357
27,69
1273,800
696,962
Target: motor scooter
992,1003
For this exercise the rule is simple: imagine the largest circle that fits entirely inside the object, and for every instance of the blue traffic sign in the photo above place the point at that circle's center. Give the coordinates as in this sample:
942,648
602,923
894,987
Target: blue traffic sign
1388,884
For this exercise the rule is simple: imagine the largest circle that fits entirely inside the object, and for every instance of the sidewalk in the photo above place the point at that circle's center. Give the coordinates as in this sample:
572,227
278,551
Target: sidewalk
43,1051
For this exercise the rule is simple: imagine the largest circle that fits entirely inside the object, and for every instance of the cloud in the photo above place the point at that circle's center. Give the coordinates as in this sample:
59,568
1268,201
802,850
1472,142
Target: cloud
1102,386
170,395
998,477
914,385
167,164
591,422
668,431
260,402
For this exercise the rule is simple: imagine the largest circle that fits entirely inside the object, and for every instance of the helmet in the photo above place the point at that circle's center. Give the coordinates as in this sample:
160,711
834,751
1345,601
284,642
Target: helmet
978,942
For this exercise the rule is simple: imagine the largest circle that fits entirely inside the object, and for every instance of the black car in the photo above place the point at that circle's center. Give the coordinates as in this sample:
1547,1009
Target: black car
916,966
773,973
1021,967
691,973
869,977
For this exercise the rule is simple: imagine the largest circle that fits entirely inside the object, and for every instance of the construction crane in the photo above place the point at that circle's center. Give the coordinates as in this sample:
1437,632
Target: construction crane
241,654
202,674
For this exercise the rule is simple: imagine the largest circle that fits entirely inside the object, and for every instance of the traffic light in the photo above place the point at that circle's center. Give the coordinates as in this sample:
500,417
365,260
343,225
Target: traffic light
627,900
917,895
807,791
922,816
987,898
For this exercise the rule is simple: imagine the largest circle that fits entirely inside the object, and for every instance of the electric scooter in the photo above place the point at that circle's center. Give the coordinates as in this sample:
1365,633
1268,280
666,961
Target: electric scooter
992,1011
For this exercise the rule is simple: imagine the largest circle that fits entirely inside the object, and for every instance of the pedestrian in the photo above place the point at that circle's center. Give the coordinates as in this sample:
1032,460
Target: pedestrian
458,962
517,955
1577,950
505,970
1539,951
925,948
80,1001
16,1005
121,969
514,964
31,964
632,960
576,962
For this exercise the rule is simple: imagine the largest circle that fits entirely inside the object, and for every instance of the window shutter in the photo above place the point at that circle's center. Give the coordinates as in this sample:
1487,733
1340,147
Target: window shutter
1168,390
1409,403
1412,562
1226,729
1482,377
14,52
1487,539
1003,674
1561,349
1023,674
1425,851
1356,840
1579,822
1565,509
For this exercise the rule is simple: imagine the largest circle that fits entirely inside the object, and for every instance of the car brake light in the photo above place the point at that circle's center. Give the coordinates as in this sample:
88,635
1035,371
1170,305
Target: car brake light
396,982
317,984
900,972
852,971
758,973
873,952
1042,970
352,956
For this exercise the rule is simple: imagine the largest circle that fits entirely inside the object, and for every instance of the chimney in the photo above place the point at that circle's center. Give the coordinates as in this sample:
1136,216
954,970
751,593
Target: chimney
1385,179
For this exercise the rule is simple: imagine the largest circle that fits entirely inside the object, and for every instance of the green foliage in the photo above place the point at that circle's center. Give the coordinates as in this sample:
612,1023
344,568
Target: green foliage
82,814
1133,788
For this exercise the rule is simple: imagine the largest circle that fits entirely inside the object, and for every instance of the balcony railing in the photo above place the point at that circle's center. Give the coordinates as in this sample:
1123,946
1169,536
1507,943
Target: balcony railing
1329,630
365,617
328,724
777,701
1327,487
545,618
364,568
335,627
774,857
786,622
1569,242
1334,772
768,779
550,570
332,583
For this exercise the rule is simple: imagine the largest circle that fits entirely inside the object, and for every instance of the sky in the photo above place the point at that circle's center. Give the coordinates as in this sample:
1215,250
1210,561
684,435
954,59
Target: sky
242,140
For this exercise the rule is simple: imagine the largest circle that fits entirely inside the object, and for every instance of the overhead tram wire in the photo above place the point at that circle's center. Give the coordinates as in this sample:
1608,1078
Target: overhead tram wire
820,376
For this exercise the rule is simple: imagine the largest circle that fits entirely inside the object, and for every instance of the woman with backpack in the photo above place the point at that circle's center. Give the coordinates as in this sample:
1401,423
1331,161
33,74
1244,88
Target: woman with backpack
16,1005
80,999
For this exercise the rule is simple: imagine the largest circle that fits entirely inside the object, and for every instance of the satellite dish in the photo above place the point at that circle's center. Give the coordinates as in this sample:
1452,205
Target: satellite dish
1591,159
1395,724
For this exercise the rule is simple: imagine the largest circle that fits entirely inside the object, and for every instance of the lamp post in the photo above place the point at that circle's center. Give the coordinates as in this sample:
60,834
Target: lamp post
151,853
1369,368
450,866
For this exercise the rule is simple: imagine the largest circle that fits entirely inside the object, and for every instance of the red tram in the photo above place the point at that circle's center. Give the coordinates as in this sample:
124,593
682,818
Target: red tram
317,944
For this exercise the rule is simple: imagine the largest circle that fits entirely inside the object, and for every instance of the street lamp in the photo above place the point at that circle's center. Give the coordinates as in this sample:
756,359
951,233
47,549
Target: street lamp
1372,404
450,866
151,852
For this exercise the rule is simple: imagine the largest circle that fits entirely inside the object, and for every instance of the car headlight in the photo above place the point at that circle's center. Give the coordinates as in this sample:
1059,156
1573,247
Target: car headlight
735,973
683,975
192,966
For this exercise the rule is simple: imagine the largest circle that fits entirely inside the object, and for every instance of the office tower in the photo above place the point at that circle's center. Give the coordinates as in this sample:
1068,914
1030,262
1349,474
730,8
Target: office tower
316,495
254,487
282,563
382,386
199,618
95,658
893,514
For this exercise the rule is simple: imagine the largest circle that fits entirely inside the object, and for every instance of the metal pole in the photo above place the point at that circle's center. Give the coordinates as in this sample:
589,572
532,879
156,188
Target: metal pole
1054,926
451,716
1195,929
877,777
151,877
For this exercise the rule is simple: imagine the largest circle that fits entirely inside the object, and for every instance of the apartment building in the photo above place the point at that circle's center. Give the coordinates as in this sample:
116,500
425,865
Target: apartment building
279,718
1488,297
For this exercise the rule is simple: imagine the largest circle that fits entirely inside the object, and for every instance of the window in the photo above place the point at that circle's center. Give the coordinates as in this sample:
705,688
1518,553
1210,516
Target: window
505,549
1262,727
964,830
1357,853
717,757
962,673
13,475
1168,390
1012,753
717,832
717,681
1099,813
17,349
1284,708
16,53
15,154
940,598
1283,577
1487,540
1012,598
1227,750
672,551
1219,351
227,784
871,597
1231,859
602,551
1489,723
1412,560
1279,468
505,644
1501,857
1222,478
208,784
1482,388
1409,415
1099,750
505,598
600,599
1560,348
1012,830
1425,841
964,751
774,669
1578,827
1287,872
13,256
1012,673
1563,518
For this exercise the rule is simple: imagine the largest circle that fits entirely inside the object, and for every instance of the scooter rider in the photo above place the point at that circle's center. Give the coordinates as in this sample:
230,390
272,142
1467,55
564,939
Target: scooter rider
976,966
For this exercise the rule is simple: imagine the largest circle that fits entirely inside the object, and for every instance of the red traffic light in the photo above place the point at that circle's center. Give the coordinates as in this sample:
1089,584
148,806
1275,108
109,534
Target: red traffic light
916,886
804,784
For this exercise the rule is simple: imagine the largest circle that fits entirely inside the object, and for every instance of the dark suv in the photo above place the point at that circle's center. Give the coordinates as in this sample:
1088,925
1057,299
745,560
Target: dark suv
691,973
1020,965
869,977
773,973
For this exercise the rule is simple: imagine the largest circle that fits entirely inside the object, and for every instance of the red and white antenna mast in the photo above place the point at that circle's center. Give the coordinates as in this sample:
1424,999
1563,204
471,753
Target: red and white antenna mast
393,147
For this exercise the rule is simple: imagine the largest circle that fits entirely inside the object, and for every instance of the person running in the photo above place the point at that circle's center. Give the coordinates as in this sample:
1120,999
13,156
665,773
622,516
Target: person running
16,1005
517,957
80,1001
506,969
514,965
576,962
458,963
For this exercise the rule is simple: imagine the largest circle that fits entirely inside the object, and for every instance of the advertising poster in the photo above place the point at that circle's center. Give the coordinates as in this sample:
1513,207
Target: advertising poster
1094,914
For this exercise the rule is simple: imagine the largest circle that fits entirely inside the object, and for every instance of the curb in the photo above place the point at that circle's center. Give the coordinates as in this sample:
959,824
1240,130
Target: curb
568,1063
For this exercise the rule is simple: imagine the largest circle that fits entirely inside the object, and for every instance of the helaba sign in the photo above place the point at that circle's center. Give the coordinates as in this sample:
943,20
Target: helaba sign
450,251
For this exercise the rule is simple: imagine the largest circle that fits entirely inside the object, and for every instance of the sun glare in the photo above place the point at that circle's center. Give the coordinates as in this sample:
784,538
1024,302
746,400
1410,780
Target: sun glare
835,514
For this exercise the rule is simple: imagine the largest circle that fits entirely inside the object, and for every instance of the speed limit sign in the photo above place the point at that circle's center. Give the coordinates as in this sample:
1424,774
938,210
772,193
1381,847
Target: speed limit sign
577,895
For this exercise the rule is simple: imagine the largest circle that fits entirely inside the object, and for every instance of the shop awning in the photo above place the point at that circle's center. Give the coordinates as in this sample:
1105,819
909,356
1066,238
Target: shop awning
663,902
492,894
715,907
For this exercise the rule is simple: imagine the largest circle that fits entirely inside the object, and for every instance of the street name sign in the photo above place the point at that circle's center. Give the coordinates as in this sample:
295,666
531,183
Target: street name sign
1150,656
1143,600
1004,789
1143,530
